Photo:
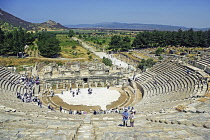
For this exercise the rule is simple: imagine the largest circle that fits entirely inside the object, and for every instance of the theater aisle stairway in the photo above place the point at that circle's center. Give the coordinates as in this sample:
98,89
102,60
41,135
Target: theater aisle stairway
86,130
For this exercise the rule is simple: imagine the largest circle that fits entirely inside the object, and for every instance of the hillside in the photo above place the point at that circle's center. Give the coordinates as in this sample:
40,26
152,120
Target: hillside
133,26
51,25
14,21
17,22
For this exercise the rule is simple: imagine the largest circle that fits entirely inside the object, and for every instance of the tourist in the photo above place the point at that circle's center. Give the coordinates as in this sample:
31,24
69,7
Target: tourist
90,91
61,108
108,85
48,106
132,116
52,108
125,115
70,112
188,71
52,93
40,104
94,112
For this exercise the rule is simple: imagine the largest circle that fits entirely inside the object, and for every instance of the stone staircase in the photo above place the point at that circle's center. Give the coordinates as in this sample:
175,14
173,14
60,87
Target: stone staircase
86,130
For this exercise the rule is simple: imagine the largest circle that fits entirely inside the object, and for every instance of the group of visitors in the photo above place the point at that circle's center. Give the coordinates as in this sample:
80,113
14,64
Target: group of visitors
128,116
74,92
78,112
28,83
125,114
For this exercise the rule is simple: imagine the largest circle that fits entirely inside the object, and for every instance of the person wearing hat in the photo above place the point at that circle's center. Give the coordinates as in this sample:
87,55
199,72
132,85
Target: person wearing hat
125,116
132,116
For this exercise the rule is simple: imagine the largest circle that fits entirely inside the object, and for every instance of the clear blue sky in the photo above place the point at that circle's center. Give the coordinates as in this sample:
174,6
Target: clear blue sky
188,13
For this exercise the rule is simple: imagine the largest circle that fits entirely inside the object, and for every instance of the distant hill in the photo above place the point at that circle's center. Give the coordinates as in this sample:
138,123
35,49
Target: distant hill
51,25
14,21
17,22
133,26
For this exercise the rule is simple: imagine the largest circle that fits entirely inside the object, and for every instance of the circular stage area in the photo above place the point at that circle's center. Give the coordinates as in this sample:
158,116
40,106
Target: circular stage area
99,97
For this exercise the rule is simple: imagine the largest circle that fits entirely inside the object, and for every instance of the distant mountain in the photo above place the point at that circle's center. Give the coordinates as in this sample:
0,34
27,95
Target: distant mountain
17,22
132,26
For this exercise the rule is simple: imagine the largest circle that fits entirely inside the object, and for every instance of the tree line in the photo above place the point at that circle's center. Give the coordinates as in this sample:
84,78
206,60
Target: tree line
188,38
14,42
119,43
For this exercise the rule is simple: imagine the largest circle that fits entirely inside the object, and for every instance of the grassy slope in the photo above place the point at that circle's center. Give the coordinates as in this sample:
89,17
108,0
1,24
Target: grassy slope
68,52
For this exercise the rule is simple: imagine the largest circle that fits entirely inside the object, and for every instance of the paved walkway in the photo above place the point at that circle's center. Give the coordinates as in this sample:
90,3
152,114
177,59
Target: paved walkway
115,61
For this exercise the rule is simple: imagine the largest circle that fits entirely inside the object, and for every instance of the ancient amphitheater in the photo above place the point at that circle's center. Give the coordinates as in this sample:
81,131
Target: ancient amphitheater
171,100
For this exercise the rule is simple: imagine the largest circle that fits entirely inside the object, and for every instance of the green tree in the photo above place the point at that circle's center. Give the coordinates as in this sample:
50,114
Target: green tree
80,36
90,57
73,47
146,64
140,41
71,33
115,43
2,37
48,45
125,44
15,41
107,61
159,51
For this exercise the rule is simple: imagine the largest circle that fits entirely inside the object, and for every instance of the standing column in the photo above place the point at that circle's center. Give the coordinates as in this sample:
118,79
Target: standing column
70,85
56,85
83,85
102,84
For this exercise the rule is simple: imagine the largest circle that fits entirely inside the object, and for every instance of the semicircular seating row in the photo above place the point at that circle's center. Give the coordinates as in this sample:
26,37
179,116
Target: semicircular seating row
203,63
11,82
170,81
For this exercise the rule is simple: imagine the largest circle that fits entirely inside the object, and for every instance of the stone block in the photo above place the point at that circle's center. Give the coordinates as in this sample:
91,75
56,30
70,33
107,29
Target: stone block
207,125
195,138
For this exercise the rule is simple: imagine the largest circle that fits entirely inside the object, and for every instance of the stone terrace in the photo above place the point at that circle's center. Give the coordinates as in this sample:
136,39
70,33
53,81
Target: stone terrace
156,116
169,83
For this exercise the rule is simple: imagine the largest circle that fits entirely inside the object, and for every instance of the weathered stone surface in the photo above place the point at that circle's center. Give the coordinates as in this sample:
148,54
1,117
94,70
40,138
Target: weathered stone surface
207,125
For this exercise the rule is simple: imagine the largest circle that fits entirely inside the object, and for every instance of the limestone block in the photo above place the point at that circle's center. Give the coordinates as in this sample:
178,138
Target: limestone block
195,138
161,121
8,109
197,124
207,125
182,121
190,109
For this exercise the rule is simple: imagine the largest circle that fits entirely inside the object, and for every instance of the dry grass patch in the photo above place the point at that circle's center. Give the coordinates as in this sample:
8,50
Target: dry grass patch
207,94
202,99
180,108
